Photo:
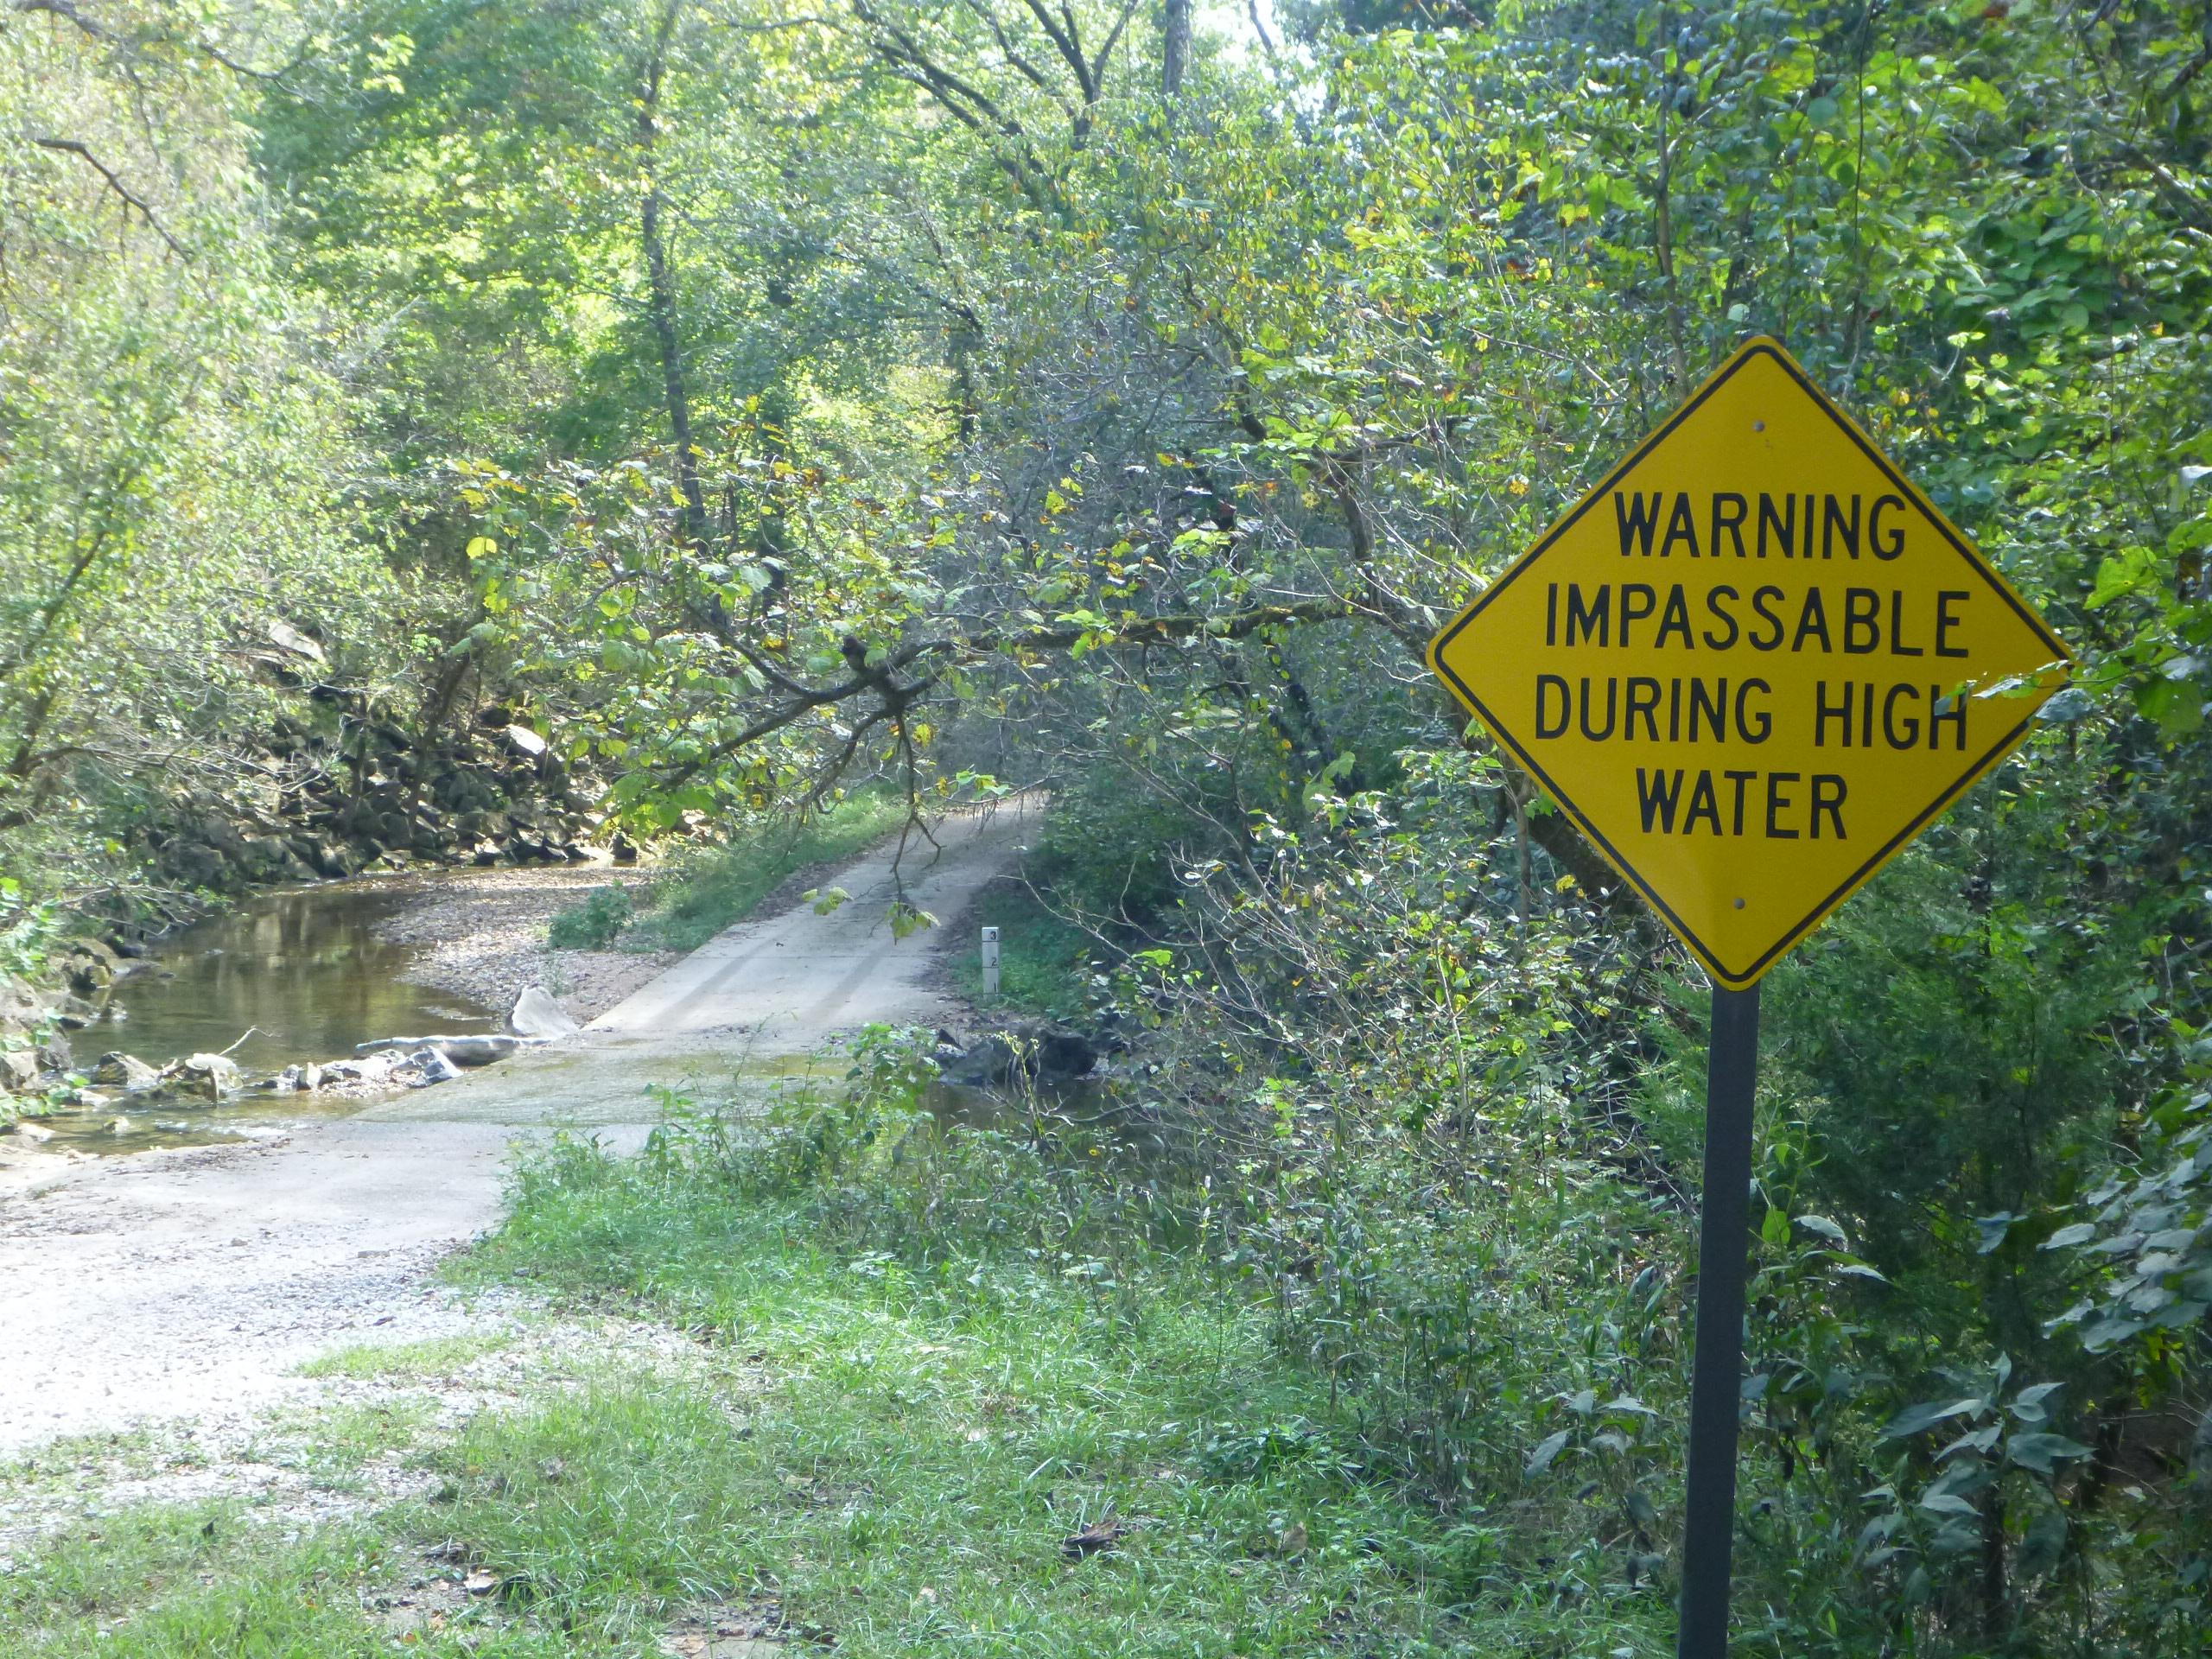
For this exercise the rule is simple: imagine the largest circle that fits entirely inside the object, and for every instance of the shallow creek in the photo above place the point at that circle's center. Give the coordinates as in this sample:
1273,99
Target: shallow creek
302,971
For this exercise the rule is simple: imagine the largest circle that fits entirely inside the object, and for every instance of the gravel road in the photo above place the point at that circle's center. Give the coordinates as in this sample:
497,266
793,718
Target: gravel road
191,1284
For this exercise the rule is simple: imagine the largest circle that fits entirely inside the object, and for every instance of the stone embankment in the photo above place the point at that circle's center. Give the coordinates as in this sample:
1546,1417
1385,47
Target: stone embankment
346,794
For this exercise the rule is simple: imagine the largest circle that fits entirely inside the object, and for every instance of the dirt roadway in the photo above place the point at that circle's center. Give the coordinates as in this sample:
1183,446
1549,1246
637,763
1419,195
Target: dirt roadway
193,1285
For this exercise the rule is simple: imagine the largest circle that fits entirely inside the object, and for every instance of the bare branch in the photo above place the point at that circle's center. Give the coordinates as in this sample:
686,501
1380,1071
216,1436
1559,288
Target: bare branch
74,147
1013,55
1066,43
64,10
1113,39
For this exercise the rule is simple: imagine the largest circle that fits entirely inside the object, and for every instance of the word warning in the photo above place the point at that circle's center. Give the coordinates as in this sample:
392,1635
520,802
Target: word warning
1752,663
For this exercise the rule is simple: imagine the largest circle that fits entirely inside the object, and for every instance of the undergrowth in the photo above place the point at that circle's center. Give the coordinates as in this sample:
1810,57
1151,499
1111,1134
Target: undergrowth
706,889
709,888
1044,960
944,1388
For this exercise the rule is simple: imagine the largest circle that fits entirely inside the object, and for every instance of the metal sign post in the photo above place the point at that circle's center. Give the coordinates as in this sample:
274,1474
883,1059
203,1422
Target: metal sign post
990,961
1750,665
1716,1377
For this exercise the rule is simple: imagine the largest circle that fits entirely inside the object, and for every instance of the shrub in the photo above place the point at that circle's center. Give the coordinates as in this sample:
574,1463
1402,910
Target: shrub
594,923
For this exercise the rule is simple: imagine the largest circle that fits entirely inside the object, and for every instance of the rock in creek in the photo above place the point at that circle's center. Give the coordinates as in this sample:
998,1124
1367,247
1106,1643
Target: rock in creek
431,1066
18,1070
1052,1054
89,967
370,1068
538,1018
34,1133
475,1050
126,1071
212,1075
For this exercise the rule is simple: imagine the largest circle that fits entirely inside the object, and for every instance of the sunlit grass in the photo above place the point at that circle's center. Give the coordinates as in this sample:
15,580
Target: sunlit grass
434,1357
711,888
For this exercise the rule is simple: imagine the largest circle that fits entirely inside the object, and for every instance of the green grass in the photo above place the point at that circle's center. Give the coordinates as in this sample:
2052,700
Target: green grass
906,1452
210,1583
880,1426
369,1361
711,888
1044,961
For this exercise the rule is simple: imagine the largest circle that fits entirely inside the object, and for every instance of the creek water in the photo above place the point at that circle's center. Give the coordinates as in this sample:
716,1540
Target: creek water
303,972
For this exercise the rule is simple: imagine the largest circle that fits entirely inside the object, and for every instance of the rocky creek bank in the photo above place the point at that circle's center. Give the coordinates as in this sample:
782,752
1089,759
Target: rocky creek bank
98,1034
342,791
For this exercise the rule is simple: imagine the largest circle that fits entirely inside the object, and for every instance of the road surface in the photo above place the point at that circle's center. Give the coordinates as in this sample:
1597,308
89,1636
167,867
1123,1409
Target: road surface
193,1284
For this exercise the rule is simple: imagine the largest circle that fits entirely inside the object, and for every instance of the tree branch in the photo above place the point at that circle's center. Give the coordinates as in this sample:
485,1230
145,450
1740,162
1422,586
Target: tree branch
74,147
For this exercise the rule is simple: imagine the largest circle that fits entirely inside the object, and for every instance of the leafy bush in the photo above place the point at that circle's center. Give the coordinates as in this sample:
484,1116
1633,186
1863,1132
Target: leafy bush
594,923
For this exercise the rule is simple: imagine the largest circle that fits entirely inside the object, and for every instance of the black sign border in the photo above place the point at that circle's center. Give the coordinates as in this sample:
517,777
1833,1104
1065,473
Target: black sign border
1987,573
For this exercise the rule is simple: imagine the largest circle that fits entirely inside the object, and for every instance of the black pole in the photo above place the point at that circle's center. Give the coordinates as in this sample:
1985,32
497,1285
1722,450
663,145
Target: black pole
1716,1379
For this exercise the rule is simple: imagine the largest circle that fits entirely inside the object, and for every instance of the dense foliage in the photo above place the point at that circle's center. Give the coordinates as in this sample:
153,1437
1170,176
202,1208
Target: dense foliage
175,455
772,397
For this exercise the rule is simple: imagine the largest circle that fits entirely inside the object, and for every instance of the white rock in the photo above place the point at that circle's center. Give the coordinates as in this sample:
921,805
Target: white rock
539,1018
290,638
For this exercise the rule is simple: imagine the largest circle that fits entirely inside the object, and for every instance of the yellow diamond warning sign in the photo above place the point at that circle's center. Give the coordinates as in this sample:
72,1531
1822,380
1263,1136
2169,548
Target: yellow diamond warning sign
1752,663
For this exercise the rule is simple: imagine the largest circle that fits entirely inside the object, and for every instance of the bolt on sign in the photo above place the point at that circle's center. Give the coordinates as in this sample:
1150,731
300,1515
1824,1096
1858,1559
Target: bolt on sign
1752,663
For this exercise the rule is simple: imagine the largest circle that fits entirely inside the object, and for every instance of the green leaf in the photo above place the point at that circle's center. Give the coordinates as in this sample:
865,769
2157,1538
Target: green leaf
2043,1545
2122,575
1547,1449
2039,1450
1945,1503
1917,1420
2029,1405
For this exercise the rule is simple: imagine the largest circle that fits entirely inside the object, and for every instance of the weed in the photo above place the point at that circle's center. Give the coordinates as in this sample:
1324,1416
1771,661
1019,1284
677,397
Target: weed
436,1356
594,924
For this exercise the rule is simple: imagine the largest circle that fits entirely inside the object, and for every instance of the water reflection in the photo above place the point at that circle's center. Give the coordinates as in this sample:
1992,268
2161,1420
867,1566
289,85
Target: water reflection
304,971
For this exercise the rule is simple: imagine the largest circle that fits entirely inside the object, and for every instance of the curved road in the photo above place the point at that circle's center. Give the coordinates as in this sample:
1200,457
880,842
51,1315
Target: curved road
193,1284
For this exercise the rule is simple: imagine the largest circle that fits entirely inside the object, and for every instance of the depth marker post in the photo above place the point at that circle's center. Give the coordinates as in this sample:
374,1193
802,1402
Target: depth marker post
1716,1377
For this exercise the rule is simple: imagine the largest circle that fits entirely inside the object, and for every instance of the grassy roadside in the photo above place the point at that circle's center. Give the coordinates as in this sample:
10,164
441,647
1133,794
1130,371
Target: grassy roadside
834,1440
1042,960
709,889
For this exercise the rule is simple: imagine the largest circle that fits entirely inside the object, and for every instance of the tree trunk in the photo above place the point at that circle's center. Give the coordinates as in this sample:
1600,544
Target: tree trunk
1174,46
660,281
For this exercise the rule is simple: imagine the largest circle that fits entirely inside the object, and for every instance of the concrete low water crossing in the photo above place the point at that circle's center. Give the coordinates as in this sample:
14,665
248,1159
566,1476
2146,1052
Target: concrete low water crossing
194,1281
